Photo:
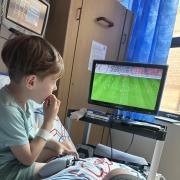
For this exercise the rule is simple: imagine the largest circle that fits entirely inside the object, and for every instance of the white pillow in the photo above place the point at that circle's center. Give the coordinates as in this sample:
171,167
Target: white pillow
58,132
4,79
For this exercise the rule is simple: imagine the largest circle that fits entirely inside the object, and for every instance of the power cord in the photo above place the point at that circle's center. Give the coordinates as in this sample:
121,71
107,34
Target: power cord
130,144
110,138
1,15
3,38
102,135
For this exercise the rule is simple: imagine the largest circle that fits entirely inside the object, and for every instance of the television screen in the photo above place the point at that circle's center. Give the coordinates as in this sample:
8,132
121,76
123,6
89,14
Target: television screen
31,15
127,86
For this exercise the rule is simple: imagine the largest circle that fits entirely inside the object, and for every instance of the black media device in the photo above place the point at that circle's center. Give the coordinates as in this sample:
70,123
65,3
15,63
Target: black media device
127,86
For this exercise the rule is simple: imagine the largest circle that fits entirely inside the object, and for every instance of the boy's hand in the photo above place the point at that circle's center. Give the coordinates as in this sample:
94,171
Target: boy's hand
66,148
62,148
51,108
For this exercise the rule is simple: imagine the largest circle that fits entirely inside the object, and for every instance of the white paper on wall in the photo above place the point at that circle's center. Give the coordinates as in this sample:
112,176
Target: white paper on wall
98,52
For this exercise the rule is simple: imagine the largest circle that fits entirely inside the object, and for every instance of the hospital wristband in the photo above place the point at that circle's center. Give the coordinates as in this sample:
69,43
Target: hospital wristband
44,134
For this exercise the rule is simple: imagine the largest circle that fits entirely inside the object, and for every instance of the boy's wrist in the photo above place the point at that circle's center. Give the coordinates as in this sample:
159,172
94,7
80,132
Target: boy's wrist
47,126
44,134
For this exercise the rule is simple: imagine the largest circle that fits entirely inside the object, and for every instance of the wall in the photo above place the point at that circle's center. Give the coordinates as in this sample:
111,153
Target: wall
4,34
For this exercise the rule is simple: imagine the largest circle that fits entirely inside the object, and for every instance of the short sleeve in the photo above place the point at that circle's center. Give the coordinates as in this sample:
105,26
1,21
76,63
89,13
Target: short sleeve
13,130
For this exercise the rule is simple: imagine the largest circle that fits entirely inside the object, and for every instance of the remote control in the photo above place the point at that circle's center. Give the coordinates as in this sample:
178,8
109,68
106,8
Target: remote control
56,165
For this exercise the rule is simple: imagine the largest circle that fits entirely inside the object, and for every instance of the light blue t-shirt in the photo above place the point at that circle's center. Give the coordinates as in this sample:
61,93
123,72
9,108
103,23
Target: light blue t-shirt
16,128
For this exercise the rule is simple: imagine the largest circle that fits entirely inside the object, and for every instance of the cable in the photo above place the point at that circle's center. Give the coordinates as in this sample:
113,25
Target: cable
107,140
162,177
4,38
102,135
130,144
110,137
1,15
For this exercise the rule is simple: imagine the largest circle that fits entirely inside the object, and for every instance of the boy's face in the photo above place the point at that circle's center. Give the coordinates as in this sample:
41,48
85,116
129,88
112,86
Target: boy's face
43,88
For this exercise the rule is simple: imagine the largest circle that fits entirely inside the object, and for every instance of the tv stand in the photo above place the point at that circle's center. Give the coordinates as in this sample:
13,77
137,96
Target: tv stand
146,129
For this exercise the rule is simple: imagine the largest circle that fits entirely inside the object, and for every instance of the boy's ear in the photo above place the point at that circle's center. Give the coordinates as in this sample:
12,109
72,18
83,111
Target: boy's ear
31,81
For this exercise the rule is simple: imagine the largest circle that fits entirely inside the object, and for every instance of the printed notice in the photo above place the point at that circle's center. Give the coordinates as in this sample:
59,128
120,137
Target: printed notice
98,52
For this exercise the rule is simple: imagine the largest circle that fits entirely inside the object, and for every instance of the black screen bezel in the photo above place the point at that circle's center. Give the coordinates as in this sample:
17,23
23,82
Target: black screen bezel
124,107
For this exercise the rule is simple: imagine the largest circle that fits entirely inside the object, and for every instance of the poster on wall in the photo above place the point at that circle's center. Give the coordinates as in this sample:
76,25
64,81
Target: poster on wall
98,51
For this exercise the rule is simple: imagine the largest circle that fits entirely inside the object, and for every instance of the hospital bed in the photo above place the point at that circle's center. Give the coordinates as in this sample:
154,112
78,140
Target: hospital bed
90,168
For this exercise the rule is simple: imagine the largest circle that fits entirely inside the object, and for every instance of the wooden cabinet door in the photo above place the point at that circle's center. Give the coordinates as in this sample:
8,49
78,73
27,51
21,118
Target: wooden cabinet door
89,30
62,33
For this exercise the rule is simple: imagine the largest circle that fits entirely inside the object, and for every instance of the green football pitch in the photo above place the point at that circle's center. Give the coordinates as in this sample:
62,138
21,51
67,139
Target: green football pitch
125,90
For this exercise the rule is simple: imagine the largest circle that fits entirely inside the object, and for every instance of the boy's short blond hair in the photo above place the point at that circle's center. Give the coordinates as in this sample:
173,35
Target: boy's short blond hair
31,55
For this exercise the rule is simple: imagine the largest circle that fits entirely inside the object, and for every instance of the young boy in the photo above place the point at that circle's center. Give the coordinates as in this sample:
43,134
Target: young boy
34,66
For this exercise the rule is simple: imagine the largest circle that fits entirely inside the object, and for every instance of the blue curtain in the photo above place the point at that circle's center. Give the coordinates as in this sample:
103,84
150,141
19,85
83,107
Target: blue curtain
151,34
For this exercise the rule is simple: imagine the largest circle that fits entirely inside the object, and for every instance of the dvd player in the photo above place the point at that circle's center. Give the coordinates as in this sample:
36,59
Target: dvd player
97,115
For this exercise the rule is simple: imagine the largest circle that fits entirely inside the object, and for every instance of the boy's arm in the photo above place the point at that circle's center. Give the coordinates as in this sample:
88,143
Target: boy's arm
28,153
65,147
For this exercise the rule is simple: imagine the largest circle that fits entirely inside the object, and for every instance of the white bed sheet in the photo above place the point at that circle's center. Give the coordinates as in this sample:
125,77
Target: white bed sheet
92,169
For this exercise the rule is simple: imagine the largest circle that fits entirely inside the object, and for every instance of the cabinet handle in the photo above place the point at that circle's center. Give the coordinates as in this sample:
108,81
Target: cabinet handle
78,14
106,20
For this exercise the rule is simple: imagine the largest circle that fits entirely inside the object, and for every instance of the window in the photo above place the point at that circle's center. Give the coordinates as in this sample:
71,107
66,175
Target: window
171,95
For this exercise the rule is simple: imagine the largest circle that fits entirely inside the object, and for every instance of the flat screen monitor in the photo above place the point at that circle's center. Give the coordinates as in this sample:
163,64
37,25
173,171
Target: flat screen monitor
127,86
31,15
